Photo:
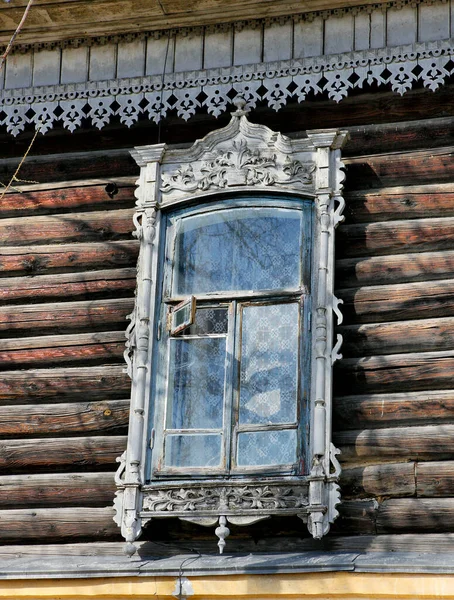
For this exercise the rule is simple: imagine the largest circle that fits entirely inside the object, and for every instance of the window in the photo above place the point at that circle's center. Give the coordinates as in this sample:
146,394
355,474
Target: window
231,377
230,345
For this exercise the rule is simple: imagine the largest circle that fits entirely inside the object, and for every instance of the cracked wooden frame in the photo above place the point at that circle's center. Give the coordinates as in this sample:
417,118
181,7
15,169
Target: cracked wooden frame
241,157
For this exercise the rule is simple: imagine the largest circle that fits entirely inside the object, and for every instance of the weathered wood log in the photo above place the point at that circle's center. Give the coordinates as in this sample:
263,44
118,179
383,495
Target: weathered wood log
77,286
60,384
68,166
104,417
58,524
419,335
394,373
96,226
356,517
400,168
389,479
94,315
42,351
37,260
435,478
402,202
57,489
384,410
429,441
416,514
401,268
42,454
48,198
395,237
398,302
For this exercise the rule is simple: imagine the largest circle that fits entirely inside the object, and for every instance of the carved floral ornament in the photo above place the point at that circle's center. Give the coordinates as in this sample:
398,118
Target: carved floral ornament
242,157
274,84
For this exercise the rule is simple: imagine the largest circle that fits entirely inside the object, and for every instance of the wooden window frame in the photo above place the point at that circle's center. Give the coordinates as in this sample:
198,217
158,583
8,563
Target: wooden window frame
242,158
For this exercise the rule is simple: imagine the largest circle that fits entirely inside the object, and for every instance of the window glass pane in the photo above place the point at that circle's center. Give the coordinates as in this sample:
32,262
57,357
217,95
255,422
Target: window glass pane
196,383
269,364
238,249
193,450
267,448
209,321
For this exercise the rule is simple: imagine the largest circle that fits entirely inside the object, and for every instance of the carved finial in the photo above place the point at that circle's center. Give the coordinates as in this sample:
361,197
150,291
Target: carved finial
222,532
241,109
129,549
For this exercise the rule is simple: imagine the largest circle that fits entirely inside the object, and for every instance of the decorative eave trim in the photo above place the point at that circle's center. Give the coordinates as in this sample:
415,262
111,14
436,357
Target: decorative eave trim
309,16
212,90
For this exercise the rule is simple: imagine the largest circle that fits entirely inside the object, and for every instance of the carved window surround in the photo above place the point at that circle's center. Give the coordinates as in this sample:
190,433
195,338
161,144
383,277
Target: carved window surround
310,169
186,93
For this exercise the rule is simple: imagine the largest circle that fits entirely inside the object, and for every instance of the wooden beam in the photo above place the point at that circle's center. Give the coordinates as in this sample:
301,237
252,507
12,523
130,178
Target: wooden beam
37,260
385,410
388,479
435,479
416,515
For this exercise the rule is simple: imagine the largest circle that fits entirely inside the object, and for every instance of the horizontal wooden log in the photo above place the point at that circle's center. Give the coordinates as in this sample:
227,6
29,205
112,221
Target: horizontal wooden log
434,442
59,454
400,268
400,168
45,199
42,351
395,237
416,514
104,417
394,373
96,226
58,524
388,479
56,489
435,478
384,410
39,260
419,335
356,517
45,168
423,300
76,286
402,202
60,384
93,315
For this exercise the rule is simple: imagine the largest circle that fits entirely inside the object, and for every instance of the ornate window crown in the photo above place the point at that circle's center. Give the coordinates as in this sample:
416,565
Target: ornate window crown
230,347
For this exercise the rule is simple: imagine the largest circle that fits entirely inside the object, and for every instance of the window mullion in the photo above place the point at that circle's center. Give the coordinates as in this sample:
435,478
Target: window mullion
230,385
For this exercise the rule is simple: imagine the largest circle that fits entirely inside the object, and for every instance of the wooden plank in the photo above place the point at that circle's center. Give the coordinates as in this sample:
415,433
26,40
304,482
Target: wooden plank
57,524
103,63
400,202
400,268
395,373
18,71
46,67
96,226
308,38
395,237
95,315
36,260
77,286
389,479
435,479
47,201
74,65
401,25
339,34
218,49
73,453
60,384
131,58
412,168
385,410
398,302
277,41
59,350
47,168
419,335
429,441
416,514
104,418
56,489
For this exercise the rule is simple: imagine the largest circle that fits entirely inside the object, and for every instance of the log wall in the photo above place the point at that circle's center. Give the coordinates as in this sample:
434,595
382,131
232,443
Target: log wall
68,275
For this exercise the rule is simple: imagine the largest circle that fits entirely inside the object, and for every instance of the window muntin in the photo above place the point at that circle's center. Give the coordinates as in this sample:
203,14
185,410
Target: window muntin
234,388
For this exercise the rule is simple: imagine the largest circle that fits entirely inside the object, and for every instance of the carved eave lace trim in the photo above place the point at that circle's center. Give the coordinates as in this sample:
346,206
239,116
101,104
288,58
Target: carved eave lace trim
215,27
212,90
